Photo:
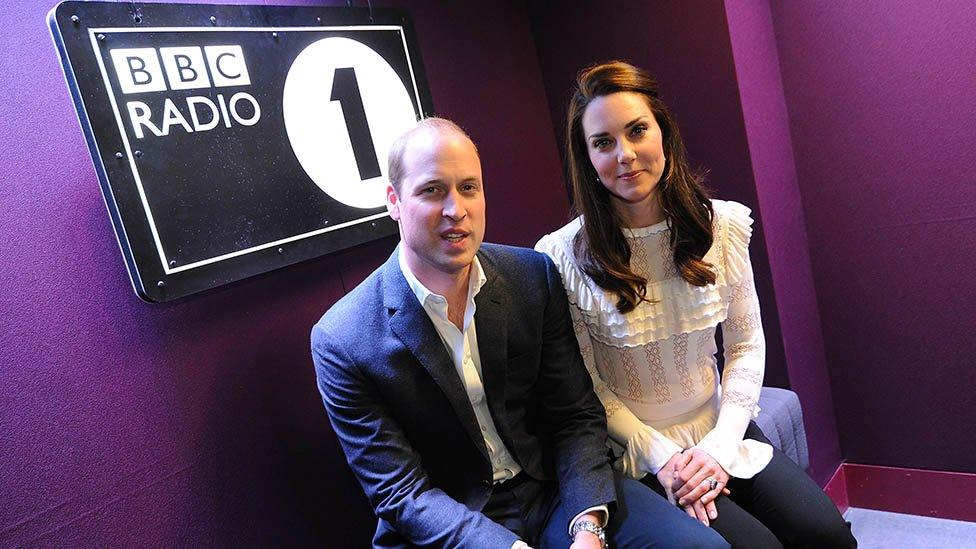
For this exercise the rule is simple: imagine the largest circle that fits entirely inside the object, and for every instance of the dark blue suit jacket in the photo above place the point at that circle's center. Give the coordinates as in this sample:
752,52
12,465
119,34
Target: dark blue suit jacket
409,432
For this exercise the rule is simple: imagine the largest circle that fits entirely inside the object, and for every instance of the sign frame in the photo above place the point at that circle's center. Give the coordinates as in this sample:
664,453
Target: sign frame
81,28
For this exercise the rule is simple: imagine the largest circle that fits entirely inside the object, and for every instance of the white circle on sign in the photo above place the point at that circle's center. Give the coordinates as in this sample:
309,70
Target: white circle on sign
316,125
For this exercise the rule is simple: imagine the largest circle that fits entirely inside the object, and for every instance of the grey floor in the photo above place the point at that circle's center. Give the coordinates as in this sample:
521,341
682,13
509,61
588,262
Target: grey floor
883,530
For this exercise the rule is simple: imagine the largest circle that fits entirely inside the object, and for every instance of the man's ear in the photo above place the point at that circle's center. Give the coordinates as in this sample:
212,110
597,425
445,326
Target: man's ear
392,203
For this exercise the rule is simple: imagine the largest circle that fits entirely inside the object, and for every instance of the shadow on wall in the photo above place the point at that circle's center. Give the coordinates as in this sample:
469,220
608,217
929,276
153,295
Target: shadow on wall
266,465
311,469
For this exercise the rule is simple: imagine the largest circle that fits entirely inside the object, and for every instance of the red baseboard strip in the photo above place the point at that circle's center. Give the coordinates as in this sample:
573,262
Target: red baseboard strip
836,489
941,494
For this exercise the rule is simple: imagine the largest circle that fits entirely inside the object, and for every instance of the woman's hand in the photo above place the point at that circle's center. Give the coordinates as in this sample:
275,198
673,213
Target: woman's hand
669,475
666,476
693,483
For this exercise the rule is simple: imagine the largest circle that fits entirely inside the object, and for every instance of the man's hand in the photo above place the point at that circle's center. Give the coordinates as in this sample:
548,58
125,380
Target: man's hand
586,540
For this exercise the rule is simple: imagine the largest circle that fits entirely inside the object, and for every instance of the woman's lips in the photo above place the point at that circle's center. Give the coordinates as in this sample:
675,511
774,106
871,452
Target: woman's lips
630,175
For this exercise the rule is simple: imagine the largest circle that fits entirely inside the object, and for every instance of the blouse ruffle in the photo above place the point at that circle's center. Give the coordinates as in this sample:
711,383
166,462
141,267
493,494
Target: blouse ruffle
674,308
673,305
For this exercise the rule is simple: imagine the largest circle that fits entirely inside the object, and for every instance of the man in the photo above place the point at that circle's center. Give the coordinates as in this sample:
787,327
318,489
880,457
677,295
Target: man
453,380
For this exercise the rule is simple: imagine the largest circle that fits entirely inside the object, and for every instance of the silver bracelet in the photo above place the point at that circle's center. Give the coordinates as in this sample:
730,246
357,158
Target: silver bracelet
591,527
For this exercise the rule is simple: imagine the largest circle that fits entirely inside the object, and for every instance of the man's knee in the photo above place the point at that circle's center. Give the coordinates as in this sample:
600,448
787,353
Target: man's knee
701,538
645,519
691,535
695,538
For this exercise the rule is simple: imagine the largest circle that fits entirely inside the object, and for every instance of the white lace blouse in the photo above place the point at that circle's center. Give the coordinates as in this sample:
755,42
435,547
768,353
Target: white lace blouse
654,368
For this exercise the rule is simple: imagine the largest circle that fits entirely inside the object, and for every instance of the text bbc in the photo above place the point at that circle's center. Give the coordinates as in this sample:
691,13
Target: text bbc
148,71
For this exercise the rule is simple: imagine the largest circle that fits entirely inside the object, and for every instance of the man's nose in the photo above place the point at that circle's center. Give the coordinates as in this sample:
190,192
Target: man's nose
454,206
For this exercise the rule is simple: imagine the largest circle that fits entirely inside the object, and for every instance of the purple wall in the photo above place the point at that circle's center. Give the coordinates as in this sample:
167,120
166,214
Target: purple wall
768,132
197,422
664,39
688,47
882,102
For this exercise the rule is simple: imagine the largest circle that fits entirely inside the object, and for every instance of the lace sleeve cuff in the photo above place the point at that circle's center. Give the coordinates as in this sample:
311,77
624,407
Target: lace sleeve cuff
646,452
740,458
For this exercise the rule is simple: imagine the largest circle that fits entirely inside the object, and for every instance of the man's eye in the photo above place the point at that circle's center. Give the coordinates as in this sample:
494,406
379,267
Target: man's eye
469,187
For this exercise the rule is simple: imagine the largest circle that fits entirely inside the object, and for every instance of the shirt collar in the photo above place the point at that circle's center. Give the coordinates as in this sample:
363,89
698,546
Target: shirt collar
476,279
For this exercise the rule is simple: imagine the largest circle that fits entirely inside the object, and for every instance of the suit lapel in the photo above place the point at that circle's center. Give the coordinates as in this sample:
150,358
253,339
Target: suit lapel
410,323
491,321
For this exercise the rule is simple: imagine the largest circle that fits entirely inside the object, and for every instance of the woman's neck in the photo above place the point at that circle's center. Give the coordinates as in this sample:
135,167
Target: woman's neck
643,214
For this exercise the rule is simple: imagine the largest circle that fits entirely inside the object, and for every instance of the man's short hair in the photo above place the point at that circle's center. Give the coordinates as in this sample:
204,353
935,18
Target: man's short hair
395,166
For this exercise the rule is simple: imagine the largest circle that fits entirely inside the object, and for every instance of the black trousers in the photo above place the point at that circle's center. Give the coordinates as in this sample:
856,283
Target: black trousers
780,506
640,519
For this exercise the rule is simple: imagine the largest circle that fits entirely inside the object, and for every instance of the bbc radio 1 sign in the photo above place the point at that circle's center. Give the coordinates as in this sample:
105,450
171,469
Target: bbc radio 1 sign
233,140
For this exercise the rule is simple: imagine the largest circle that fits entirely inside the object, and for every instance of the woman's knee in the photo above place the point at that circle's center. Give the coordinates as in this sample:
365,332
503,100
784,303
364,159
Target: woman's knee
833,534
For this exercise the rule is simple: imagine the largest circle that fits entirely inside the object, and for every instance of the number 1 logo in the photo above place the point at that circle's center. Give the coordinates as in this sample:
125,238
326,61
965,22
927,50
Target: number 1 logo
343,106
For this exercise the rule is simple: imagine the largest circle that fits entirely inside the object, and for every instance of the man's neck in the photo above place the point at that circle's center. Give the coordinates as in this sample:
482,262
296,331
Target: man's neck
453,286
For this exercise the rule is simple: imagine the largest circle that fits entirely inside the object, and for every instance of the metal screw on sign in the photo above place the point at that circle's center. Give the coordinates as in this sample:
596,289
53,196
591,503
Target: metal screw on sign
213,20
101,37
281,250
138,154
172,262
160,284
118,155
75,19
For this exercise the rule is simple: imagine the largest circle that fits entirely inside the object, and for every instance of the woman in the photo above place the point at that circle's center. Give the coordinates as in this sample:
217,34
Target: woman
652,267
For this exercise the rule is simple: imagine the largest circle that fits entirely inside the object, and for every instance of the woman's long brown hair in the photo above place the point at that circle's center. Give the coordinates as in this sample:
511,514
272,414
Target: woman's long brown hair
601,249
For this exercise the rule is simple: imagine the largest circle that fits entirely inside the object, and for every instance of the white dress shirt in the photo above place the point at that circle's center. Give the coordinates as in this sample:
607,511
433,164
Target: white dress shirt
463,348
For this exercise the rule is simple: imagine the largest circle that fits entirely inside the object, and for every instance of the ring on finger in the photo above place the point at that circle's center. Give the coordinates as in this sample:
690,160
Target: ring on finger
712,484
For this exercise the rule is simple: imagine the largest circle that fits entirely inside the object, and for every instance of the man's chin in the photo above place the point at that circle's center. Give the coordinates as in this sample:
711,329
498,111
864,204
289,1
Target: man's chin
459,260
457,263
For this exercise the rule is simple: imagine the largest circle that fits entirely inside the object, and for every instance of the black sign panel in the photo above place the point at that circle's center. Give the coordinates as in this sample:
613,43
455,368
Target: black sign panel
233,140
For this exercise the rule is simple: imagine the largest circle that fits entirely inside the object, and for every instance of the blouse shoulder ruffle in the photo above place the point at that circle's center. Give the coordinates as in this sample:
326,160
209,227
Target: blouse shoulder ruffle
674,306
736,221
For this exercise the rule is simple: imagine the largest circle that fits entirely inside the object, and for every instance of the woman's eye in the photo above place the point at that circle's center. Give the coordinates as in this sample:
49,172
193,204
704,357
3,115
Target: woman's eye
601,144
639,130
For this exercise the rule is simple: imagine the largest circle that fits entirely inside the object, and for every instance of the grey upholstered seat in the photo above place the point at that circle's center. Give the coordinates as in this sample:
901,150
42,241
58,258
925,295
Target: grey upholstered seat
781,420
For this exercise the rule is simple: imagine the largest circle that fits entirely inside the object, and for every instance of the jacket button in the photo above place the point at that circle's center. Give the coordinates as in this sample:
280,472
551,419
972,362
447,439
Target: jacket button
486,483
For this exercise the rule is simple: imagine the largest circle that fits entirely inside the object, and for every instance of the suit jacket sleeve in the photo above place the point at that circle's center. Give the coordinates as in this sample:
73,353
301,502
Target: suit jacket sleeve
576,419
386,465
